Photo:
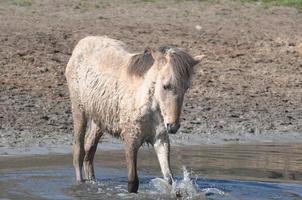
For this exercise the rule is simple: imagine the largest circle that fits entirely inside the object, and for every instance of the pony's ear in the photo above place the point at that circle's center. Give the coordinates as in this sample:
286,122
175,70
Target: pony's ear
198,58
158,56
147,50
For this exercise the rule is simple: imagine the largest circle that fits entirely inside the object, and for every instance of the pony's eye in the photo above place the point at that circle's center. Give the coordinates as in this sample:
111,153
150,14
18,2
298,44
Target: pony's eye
167,87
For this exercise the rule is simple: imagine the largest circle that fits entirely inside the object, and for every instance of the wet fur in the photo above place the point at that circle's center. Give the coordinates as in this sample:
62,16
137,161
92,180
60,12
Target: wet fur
113,90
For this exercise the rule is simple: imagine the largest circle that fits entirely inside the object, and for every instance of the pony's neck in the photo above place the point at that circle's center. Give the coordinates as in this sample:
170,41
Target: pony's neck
145,91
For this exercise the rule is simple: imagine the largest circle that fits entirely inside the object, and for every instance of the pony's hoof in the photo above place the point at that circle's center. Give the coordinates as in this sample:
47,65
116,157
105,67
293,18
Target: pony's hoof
178,194
133,186
169,181
91,180
79,182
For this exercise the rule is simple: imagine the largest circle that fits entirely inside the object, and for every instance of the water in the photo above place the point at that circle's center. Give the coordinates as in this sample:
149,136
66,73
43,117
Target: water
268,171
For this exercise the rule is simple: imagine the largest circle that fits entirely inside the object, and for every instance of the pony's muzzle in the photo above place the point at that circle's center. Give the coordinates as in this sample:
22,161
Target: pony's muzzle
172,127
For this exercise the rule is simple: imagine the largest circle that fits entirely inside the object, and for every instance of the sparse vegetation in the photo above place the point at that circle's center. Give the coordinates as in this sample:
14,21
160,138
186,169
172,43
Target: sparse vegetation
23,3
88,5
292,3
148,0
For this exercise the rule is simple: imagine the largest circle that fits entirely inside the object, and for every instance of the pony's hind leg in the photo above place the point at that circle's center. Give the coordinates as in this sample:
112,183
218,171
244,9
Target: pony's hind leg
80,123
91,142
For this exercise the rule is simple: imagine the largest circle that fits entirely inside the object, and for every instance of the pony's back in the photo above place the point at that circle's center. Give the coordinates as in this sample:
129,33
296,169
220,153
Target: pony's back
101,53
93,75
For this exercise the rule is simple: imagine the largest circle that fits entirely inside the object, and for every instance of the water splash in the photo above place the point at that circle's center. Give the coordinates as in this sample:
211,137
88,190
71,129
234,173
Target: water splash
213,191
184,189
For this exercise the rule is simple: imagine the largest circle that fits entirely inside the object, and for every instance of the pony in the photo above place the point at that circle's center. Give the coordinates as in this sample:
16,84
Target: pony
136,97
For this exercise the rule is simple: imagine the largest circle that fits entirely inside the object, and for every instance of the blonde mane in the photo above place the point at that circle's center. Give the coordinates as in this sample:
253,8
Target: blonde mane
140,63
181,62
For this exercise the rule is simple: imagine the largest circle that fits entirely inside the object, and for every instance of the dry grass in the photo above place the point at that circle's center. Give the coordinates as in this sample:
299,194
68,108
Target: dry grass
292,3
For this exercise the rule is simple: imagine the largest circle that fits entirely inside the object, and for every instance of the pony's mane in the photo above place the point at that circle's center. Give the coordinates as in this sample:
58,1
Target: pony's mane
139,64
181,62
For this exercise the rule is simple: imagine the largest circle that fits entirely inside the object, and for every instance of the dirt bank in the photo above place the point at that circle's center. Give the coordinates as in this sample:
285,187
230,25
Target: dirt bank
249,84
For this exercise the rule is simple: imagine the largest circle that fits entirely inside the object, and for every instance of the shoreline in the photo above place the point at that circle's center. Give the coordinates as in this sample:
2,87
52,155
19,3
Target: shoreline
177,140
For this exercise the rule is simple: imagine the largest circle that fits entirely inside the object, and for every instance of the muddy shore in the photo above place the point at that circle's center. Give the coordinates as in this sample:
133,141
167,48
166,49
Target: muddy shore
248,89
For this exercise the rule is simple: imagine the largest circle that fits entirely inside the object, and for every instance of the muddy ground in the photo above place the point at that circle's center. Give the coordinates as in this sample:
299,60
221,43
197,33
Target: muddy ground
249,84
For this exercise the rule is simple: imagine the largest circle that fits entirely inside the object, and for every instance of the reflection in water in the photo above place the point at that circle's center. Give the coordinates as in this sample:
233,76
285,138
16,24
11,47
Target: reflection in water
267,161
52,176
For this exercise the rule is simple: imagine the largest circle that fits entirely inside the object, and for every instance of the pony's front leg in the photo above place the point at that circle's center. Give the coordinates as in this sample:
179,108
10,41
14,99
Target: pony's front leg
162,149
131,158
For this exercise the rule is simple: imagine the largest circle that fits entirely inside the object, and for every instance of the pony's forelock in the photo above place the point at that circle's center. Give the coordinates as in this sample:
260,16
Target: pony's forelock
182,65
181,62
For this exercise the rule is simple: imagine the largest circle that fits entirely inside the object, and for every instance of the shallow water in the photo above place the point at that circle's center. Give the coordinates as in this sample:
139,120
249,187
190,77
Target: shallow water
268,171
